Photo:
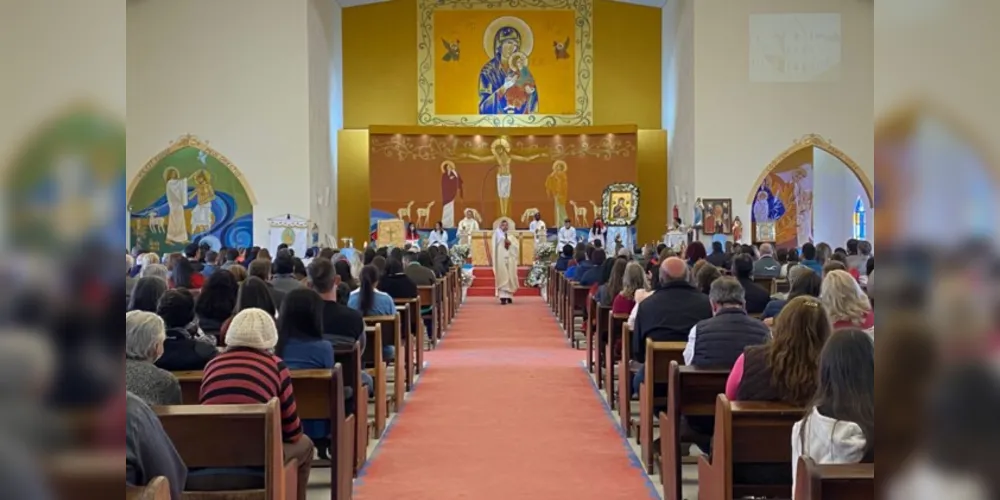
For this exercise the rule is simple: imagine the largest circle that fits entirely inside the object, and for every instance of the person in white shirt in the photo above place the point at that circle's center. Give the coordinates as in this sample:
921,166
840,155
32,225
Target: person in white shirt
468,226
438,237
567,234
840,426
539,230
598,233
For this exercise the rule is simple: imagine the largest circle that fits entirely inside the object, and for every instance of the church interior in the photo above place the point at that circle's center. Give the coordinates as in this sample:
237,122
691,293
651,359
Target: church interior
506,249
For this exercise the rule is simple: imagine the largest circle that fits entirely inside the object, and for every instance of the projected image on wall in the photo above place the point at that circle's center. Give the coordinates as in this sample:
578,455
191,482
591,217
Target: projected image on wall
795,47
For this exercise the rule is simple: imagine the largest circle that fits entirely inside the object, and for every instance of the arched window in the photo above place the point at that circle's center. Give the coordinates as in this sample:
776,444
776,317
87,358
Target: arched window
860,226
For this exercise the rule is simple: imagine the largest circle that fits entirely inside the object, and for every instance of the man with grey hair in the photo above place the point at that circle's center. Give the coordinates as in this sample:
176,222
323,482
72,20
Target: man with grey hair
144,337
767,266
673,309
719,341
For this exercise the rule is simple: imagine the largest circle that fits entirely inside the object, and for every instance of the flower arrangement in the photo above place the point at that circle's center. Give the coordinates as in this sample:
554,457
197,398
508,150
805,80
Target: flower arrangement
460,254
538,276
467,278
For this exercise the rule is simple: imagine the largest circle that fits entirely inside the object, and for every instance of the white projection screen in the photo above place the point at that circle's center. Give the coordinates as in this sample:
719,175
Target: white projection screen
794,48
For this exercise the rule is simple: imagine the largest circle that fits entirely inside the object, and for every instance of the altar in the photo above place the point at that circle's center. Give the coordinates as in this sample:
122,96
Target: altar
481,251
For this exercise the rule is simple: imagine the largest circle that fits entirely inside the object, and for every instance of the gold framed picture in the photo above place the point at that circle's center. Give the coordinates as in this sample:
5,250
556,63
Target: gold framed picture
621,204
391,233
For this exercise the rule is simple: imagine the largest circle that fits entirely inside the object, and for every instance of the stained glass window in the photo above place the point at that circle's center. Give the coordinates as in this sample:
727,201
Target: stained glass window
860,225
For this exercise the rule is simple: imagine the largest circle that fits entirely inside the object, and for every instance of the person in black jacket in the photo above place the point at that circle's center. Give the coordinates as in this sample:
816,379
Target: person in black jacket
593,275
756,296
181,351
562,263
718,257
395,282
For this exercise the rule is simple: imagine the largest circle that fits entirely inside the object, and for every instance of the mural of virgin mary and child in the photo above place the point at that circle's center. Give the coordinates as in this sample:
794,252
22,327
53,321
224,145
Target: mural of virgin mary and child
506,85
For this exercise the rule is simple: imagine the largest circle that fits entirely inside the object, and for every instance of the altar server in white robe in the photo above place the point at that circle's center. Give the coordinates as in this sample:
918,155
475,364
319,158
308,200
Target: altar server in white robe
539,230
567,235
505,259
438,237
466,228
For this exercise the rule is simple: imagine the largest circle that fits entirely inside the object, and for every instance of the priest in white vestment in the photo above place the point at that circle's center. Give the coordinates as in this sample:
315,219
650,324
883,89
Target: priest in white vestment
466,228
506,255
540,231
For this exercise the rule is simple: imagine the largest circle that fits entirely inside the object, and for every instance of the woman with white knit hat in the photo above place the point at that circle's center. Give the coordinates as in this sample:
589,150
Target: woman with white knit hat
249,373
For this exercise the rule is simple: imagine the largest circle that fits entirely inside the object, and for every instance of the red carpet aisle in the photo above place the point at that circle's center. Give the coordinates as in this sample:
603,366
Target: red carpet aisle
505,411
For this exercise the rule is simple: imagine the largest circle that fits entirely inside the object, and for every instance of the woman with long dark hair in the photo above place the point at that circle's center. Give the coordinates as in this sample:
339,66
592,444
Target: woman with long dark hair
146,294
300,332
185,276
607,292
370,301
369,255
412,237
343,269
216,302
839,427
695,252
396,283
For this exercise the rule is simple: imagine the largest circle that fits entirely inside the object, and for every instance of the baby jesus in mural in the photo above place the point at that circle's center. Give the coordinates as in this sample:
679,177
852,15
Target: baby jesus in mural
524,86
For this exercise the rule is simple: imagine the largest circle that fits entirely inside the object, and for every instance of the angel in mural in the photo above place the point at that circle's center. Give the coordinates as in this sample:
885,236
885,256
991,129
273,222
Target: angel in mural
453,50
177,198
201,216
498,76
562,49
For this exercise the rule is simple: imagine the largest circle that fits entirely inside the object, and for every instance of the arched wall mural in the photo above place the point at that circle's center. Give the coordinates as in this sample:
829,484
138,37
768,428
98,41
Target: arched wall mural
783,193
190,193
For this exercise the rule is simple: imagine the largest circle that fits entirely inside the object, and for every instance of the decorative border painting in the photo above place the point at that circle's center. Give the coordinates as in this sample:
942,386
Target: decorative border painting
538,59
621,204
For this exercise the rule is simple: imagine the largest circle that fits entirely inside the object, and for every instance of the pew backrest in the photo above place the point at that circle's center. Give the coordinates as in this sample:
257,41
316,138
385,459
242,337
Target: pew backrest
834,482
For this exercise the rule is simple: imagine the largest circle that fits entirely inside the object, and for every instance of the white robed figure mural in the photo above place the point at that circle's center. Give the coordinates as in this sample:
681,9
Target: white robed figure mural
505,259
177,198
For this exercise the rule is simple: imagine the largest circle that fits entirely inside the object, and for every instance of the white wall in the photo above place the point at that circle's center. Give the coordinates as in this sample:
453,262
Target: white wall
678,102
742,126
835,191
234,73
325,110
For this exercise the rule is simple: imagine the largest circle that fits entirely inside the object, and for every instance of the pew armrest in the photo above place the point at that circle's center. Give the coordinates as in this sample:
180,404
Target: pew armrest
291,478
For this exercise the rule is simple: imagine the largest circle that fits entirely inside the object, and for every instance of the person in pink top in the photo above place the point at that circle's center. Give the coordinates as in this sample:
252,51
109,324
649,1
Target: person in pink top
846,303
785,369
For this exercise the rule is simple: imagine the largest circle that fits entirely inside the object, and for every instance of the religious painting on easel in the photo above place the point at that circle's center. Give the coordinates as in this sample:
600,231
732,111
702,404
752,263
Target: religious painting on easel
391,233
718,216
505,63
621,204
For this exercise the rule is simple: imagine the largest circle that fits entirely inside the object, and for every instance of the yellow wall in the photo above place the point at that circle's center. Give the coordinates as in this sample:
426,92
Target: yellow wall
380,88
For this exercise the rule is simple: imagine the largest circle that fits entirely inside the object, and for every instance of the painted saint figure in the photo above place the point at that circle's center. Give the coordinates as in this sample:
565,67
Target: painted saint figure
451,188
177,198
498,76
737,230
502,155
557,186
201,216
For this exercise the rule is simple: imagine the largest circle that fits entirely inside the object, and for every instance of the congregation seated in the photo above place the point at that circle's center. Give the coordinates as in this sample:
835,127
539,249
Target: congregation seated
669,314
809,259
184,276
803,281
247,373
633,281
719,257
144,337
184,349
767,266
370,301
756,296
216,303
705,275
785,369
565,257
342,326
789,261
694,253
284,280
846,302
149,453
146,294
420,269
395,282
610,290
592,273
579,257
253,294
839,426
261,269
717,342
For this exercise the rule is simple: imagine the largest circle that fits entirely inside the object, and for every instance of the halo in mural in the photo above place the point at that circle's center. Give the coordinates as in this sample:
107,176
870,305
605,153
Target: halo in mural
190,193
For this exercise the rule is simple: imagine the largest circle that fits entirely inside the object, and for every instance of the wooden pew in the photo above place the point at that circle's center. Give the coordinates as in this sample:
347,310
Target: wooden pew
618,329
372,359
319,395
692,392
576,307
350,361
597,347
654,391
232,436
426,296
769,284
190,386
157,489
550,287
834,482
89,475
749,434
440,307
416,339
391,335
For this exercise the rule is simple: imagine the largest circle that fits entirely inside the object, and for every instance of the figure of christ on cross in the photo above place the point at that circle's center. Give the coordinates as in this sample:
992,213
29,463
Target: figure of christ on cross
502,156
